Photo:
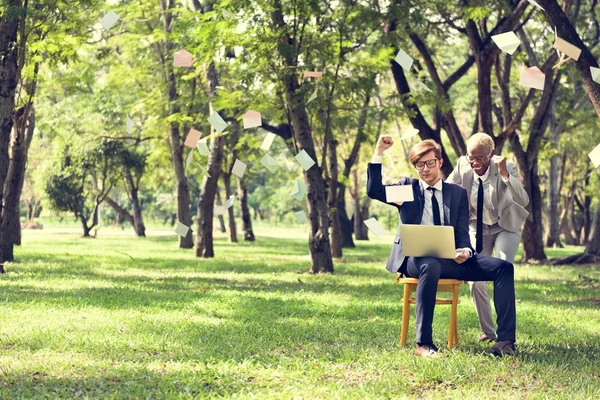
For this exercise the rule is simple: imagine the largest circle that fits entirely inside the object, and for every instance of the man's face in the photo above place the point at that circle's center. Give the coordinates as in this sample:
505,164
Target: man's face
479,158
430,174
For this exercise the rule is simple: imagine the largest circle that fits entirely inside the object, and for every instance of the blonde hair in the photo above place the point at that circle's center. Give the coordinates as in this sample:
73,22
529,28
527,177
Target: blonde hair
481,140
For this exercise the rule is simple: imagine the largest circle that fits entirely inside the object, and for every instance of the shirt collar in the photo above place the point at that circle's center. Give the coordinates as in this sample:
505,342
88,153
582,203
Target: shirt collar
484,176
437,186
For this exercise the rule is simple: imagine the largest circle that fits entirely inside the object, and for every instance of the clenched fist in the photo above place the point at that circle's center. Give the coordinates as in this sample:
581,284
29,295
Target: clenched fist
383,143
500,161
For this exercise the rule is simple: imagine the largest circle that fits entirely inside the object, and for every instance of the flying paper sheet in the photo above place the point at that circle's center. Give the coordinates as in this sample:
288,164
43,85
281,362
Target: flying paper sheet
313,74
410,132
109,20
507,42
268,141
284,157
217,122
227,14
375,227
181,229
219,210
270,163
189,159
305,160
183,58
204,170
252,119
399,193
203,147
229,201
239,168
595,156
535,4
129,124
595,74
192,138
300,216
298,191
312,97
567,48
404,60
532,77
418,86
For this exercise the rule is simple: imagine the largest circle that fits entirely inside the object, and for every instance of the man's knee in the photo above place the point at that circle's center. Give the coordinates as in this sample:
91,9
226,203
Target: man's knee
430,267
506,268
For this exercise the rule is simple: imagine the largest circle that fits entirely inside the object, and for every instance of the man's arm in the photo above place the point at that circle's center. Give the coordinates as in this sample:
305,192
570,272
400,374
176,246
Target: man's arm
455,175
517,190
461,230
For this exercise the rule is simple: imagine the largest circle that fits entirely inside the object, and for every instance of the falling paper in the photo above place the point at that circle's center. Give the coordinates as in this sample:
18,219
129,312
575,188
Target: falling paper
410,132
229,201
418,86
267,141
313,74
204,170
192,138
532,77
270,163
305,160
535,4
312,96
129,124
567,48
399,193
404,60
375,227
252,119
284,157
595,74
217,122
239,168
181,229
300,216
507,42
203,147
220,210
109,20
595,156
183,58
298,191
189,159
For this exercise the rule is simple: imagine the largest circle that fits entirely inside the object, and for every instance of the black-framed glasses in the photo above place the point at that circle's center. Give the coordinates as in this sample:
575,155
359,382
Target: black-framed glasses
430,163
479,159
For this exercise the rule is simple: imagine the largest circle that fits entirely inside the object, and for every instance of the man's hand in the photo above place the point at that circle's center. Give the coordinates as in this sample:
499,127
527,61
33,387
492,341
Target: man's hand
461,255
500,161
383,143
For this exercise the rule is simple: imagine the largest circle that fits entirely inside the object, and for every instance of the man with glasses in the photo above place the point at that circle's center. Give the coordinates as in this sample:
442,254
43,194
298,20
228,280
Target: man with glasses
497,204
439,203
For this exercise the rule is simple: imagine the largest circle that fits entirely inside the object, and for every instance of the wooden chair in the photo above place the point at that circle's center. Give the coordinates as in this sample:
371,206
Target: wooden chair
444,285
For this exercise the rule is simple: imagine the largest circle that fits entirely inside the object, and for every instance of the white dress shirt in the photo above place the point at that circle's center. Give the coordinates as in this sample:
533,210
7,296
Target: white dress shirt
427,218
488,207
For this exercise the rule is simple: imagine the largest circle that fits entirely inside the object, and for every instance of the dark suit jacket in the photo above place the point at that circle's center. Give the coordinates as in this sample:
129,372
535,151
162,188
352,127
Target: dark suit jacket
456,211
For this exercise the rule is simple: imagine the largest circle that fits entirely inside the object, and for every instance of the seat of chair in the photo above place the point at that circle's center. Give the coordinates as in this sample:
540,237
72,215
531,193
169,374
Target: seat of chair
440,282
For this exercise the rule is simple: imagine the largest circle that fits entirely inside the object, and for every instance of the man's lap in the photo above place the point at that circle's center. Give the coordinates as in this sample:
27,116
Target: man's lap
477,268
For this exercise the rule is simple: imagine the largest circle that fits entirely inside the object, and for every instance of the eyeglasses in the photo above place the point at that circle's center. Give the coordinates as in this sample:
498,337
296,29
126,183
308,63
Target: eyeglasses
430,163
478,159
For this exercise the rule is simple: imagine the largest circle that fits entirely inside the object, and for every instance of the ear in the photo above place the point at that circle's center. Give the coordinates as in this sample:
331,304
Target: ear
441,162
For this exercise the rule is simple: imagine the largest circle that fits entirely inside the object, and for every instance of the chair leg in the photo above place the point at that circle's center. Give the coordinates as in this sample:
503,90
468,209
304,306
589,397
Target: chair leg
405,314
454,317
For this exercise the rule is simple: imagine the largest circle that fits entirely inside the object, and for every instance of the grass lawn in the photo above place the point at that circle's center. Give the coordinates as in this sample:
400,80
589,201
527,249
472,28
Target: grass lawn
120,317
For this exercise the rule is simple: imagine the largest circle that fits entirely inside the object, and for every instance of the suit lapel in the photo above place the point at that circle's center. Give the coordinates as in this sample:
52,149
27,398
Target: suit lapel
468,178
493,181
447,195
421,196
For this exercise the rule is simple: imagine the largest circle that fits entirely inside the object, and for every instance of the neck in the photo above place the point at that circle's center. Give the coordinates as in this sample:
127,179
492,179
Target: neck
433,183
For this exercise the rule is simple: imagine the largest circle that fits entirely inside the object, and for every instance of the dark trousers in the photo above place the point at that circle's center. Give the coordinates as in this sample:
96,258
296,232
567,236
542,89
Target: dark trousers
430,270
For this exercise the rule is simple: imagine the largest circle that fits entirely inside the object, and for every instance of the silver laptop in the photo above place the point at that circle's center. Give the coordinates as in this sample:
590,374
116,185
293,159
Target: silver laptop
428,241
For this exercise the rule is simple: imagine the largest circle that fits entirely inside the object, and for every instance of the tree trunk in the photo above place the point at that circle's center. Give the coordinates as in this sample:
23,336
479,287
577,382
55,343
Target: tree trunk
138,220
360,211
204,218
230,213
84,225
345,222
553,237
120,211
9,26
219,202
332,201
533,230
246,219
175,142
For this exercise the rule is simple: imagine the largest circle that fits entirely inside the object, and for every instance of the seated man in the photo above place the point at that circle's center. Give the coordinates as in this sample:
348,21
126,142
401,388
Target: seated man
433,199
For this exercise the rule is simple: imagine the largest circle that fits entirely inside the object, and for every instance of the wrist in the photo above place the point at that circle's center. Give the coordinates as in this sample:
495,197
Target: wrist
378,152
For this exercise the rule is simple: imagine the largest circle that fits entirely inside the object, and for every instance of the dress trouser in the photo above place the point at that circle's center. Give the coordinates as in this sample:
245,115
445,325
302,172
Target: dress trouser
429,270
501,244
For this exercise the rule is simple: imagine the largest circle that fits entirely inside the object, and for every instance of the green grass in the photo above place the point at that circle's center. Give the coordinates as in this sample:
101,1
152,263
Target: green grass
120,317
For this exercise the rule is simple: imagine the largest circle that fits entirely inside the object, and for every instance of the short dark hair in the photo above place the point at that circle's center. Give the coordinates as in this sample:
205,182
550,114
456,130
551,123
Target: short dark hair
422,148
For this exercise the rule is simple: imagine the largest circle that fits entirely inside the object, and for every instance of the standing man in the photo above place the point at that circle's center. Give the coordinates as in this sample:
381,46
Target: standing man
437,203
497,204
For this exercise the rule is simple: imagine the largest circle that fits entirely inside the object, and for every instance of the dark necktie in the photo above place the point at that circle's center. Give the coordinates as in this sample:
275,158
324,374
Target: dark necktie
479,234
435,207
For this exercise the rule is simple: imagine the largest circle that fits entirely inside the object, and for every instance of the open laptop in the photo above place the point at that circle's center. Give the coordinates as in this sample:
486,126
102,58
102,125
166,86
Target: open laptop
428,241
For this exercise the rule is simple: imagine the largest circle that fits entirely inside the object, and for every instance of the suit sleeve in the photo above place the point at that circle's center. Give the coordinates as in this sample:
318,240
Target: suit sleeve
461,230
519,194
375,188
455,175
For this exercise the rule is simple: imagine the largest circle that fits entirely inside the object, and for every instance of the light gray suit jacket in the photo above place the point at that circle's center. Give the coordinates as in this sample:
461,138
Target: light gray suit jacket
509,199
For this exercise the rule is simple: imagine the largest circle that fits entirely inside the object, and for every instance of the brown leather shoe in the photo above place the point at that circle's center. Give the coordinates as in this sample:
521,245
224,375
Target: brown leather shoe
504,348
427,350
485,338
